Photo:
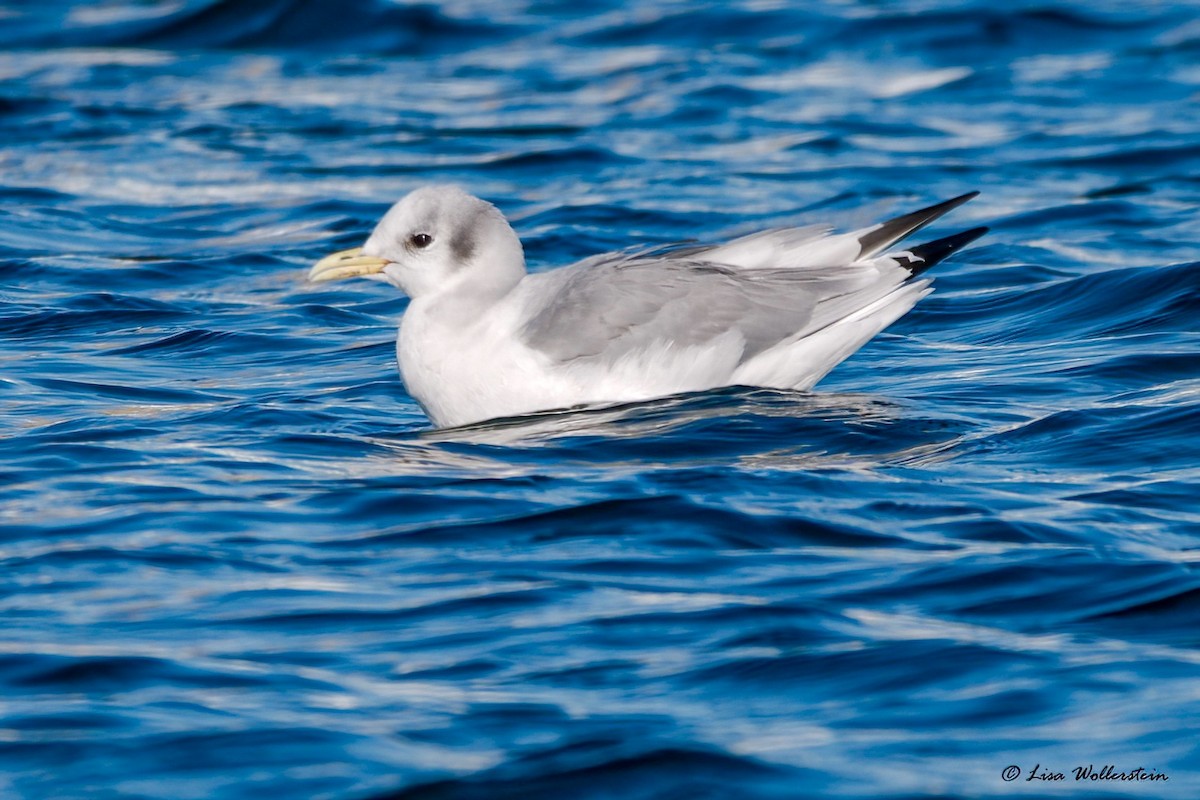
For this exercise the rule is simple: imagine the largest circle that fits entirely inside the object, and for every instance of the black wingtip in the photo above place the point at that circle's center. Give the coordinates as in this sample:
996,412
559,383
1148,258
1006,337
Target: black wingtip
923,256
896,229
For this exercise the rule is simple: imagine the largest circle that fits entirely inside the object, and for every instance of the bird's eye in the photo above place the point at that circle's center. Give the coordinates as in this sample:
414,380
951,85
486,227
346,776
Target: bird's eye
421,240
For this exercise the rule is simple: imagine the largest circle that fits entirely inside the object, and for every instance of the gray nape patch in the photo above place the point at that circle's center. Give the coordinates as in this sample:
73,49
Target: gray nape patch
464,239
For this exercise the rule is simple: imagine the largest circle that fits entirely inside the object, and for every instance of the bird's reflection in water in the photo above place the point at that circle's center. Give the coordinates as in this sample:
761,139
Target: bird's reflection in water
732,406
754,427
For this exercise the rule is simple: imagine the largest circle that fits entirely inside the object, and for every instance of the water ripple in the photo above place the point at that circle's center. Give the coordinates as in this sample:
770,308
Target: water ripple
238,560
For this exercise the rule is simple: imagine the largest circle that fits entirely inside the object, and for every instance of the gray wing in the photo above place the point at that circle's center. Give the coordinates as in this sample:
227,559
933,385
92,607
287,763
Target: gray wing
768,287
605,309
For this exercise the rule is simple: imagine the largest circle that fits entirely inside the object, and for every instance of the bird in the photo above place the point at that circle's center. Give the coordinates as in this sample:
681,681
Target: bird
482,338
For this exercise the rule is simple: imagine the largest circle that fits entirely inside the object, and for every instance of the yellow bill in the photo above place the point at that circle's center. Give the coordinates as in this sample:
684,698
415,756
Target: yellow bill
345,264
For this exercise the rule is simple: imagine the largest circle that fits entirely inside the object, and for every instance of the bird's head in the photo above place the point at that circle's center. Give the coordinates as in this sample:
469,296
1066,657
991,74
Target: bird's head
437,239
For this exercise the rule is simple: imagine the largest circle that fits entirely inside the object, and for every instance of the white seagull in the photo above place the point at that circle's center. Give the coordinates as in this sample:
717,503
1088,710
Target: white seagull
483,339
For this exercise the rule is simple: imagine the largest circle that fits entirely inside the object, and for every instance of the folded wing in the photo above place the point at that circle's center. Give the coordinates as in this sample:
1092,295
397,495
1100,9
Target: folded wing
751,294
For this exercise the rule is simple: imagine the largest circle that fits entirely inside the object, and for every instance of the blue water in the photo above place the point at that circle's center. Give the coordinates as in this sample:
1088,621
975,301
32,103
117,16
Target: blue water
238,563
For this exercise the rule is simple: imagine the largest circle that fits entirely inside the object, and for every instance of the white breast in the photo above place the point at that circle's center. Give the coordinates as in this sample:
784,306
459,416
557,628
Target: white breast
468,364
